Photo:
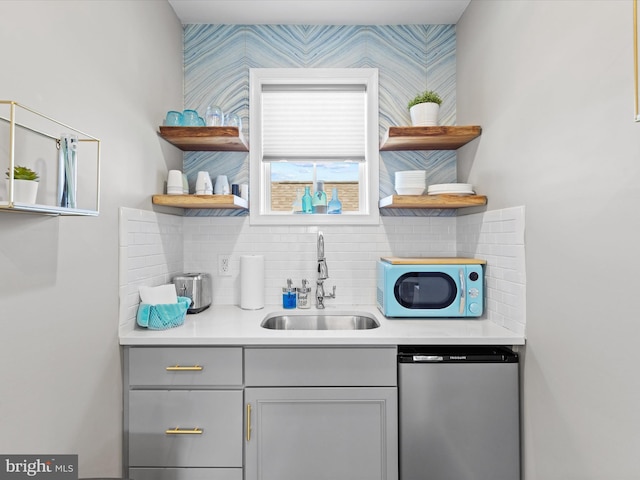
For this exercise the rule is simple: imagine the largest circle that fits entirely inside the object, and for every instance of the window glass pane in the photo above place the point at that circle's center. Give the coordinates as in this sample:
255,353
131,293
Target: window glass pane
337,171
288,180
288,171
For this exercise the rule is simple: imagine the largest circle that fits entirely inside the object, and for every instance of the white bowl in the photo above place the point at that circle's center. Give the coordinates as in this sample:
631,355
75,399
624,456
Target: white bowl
410,190
410,179
418,181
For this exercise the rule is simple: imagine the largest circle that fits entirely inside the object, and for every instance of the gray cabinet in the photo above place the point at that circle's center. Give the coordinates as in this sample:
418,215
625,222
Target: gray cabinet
318,413
323,430
183,413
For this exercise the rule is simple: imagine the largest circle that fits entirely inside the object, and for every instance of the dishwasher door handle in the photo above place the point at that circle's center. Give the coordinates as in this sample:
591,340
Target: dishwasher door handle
427,358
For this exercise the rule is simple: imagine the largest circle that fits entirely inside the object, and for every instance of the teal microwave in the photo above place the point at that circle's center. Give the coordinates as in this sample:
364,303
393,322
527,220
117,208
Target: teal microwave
430,287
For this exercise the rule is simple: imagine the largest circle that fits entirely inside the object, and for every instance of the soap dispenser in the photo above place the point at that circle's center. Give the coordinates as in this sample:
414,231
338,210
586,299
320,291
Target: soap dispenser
303,294
289,295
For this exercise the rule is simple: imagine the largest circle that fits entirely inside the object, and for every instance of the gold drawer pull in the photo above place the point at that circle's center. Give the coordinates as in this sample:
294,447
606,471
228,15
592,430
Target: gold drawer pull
184,431
178,368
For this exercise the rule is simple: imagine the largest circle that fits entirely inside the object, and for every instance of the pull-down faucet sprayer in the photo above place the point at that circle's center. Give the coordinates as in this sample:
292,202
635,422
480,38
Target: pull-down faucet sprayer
323,274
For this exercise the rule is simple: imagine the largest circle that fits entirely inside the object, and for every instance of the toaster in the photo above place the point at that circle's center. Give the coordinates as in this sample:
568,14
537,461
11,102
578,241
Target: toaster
196,286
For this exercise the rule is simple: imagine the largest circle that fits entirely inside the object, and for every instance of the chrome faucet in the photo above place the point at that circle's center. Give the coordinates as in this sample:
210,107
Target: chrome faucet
323,274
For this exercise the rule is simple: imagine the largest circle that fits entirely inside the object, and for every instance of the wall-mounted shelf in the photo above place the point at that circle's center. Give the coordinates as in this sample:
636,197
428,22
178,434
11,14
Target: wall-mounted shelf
33,140
433,201
201,201
205,139
429,138
45,210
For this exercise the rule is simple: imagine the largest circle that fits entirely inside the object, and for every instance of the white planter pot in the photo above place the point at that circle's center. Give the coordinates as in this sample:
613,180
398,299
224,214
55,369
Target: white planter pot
24,191
424,114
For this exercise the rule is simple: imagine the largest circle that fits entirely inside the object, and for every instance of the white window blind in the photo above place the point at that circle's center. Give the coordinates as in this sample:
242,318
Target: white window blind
313,122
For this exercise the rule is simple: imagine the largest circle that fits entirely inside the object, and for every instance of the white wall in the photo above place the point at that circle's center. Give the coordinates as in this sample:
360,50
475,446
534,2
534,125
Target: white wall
551,83
60,384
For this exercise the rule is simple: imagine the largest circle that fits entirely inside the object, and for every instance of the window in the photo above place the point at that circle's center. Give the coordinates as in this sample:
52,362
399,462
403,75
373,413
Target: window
310,126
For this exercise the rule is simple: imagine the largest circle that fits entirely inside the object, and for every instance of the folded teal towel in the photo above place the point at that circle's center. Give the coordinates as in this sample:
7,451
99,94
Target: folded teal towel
162,317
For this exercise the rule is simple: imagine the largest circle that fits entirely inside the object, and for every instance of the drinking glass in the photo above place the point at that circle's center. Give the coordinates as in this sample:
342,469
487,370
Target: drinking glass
214,116
173,119
190,118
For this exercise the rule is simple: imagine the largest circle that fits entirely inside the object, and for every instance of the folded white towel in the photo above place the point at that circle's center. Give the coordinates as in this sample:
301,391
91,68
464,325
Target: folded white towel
164,294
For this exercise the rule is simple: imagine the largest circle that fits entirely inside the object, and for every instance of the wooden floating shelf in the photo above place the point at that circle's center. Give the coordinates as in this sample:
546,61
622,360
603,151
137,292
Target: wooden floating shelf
205,139
429,138
433,201
201,201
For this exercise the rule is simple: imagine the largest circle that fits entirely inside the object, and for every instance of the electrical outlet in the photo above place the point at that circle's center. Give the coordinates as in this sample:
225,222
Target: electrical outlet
224,265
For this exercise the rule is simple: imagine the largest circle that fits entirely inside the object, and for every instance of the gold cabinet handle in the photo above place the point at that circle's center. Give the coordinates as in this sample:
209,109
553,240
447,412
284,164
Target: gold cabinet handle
248,422
184,431
178,368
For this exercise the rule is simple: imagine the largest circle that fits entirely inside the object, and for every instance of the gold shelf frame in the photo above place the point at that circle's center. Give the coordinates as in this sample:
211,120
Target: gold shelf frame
10,205
636,64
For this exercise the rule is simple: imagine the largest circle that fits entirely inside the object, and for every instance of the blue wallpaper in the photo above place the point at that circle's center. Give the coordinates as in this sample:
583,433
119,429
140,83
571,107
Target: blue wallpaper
410,59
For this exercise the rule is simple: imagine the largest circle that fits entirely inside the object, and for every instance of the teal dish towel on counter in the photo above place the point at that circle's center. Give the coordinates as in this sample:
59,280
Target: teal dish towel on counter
163,316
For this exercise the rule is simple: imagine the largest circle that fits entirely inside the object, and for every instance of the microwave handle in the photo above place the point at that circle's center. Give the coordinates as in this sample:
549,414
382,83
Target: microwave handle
462,291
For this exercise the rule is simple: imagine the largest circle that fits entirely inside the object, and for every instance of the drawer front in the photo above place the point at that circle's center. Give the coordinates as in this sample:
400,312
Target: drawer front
320,367
185,473
179,428
184,366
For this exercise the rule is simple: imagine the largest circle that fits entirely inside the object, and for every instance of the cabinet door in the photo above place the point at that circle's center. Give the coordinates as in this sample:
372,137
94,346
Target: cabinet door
321,434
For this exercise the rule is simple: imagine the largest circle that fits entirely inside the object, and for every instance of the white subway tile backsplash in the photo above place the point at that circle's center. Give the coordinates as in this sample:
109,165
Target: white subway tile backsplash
151,252
154,247
497,236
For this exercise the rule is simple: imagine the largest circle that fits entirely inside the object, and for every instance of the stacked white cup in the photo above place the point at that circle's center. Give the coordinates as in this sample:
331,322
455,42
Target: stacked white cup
203,184
174,183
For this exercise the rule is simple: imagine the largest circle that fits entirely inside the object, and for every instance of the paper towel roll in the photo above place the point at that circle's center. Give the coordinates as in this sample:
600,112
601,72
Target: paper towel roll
251,282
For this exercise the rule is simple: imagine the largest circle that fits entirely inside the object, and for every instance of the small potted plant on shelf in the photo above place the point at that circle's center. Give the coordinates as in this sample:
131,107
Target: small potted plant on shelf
424,109
25,184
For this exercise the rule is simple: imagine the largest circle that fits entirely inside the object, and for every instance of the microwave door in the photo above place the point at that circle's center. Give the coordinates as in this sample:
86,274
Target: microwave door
410,292
426,290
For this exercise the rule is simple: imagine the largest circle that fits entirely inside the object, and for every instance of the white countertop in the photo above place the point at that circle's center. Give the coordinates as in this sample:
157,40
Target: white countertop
230,325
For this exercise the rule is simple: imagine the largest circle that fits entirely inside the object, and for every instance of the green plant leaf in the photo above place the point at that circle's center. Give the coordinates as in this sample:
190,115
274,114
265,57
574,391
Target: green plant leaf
23,173
428,96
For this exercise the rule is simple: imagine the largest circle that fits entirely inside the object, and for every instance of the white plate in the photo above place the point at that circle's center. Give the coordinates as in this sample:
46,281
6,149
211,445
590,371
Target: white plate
451,186
470,192
429,190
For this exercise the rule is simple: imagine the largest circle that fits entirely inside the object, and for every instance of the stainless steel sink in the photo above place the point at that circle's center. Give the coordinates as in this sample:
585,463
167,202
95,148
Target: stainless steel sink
350,321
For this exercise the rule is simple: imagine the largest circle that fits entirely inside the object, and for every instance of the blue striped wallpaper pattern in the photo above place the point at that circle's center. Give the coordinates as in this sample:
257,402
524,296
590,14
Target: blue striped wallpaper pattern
410,59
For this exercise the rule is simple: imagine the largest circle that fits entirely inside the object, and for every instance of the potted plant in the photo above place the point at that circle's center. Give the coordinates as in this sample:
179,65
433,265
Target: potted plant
424,109
25,184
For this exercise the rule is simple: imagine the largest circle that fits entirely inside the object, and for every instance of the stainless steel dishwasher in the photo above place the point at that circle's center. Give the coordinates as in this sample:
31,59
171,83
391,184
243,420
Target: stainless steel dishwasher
459,413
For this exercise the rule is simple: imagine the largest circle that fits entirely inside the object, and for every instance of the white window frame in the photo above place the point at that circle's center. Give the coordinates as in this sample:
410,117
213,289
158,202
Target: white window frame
260,172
